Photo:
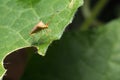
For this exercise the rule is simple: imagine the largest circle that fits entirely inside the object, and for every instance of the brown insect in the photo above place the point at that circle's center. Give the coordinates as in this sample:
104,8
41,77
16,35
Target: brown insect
39,27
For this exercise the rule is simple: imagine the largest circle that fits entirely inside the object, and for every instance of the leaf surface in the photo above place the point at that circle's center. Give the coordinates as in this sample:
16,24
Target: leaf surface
18,17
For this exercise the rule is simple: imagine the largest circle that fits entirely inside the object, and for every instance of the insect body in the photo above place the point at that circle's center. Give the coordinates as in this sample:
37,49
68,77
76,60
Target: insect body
39,27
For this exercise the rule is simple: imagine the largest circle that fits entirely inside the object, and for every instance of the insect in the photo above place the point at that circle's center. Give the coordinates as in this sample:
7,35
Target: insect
39,27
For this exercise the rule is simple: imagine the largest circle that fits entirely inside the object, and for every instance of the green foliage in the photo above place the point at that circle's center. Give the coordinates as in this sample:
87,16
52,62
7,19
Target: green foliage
87,55
18,17
84,54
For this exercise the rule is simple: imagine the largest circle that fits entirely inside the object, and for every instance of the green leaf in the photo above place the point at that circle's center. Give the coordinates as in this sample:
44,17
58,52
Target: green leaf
88,55
18,17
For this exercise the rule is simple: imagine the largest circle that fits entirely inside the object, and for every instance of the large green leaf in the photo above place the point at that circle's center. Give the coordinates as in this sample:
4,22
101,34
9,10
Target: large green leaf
89,55
18,17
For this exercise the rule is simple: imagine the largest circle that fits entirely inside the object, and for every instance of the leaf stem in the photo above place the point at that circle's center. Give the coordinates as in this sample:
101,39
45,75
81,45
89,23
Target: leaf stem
86,9
95,12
